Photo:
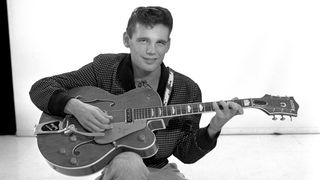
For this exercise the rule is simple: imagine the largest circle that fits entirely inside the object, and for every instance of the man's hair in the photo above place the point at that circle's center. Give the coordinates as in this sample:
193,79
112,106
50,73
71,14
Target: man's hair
149,17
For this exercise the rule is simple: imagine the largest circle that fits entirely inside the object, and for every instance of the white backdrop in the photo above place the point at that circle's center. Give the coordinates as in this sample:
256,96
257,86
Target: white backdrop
231,48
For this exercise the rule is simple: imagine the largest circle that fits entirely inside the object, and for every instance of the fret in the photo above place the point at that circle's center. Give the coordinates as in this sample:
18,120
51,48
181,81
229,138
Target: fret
142,113
138,113
173,109
156,113
169,112
164,111
178,109
195,108
149,113
134,114
184,109
207,107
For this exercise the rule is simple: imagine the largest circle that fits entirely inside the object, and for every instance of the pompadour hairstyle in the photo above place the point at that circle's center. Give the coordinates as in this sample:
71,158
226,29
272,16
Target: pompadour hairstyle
149,17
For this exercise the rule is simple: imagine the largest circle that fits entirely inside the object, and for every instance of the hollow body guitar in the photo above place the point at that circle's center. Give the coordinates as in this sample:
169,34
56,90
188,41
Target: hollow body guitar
71,150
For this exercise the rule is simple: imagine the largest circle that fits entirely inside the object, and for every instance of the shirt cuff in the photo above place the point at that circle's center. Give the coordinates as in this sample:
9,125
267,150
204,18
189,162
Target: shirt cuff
204,141
57,102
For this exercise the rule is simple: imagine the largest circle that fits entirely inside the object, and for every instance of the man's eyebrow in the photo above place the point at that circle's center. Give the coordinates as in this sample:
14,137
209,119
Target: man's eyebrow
142,38
158,40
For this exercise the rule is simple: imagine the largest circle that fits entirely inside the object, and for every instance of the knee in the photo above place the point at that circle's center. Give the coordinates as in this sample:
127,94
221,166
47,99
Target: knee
128,164
127,159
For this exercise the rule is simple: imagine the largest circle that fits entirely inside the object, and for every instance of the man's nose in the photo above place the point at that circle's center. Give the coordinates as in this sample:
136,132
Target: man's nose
151,49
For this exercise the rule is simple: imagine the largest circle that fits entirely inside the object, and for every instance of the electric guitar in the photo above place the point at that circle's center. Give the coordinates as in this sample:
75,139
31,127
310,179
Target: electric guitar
72,150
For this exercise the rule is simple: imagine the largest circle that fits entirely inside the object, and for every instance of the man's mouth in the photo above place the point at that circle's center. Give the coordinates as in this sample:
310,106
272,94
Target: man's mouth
149,59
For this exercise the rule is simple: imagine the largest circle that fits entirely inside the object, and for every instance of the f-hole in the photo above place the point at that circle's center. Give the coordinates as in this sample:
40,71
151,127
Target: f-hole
75,151
112,103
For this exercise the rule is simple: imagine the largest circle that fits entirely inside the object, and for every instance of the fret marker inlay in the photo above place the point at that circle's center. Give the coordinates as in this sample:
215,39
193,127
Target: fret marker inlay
189,109
200,107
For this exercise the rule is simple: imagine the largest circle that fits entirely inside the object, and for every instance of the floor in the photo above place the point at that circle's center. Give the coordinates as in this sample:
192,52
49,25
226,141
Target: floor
237,157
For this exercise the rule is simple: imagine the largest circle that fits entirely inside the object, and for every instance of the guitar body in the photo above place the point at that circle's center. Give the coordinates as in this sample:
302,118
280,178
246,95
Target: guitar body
72,150
76,154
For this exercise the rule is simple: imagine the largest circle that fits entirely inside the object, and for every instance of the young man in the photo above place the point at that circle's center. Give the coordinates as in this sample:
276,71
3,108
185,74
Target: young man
148,38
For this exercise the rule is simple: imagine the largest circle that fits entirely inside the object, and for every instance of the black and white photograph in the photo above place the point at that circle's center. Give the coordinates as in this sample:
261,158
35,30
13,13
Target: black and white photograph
160,90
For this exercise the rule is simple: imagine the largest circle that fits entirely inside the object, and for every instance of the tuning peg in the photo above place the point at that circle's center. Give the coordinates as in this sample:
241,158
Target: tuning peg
282,118
274,118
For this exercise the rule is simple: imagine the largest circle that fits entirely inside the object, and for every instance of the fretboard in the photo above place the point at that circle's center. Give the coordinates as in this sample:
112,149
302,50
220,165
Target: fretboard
176,110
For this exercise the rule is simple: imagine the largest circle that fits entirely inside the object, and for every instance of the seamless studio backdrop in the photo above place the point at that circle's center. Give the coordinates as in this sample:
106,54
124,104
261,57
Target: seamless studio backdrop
231,48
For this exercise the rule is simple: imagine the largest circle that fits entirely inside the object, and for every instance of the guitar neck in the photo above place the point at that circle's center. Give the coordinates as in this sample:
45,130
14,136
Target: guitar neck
180,109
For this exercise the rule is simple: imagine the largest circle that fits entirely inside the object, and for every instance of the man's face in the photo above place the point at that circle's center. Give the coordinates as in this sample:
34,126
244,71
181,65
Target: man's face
148,47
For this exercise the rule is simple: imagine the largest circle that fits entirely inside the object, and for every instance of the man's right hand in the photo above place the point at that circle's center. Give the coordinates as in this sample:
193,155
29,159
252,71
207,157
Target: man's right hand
90,117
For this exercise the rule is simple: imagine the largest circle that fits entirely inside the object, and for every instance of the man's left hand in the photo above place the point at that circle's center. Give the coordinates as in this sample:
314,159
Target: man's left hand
224,112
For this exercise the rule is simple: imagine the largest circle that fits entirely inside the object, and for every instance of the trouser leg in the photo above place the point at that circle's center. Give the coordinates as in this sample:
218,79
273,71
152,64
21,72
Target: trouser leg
169,172
124,166
130,166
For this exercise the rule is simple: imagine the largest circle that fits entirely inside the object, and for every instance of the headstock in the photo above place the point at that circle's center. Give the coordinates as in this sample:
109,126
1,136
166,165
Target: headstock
276,105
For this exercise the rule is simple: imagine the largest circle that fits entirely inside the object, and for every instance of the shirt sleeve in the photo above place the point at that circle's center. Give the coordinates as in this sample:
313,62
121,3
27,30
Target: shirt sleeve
204,141
196,141
57,102
49,94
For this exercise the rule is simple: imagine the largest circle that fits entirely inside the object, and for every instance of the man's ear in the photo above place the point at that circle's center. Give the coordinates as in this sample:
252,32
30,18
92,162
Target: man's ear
168,45
126,39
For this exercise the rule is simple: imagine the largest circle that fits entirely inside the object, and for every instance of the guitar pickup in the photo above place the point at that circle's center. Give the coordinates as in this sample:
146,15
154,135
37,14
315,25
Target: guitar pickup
129,117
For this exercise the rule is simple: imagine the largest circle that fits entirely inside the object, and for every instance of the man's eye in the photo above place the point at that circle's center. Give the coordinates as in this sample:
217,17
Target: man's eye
162,43
143,40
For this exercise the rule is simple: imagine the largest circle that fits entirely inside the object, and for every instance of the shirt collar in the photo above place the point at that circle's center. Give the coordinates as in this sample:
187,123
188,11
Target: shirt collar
125,72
